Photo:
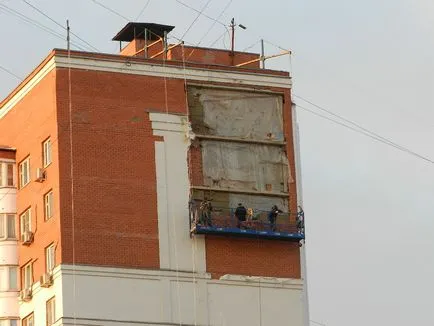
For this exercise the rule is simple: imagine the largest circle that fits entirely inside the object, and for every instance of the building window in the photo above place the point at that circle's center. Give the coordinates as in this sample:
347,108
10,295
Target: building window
48,204
6,174
8,278
46,152
24,168
51,311
7,227
9,322
50,258
13,278
26,221
27,274
28,321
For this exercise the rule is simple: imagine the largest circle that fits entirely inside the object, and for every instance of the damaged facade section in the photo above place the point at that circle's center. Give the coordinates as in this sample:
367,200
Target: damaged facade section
243,150
245,167
238,114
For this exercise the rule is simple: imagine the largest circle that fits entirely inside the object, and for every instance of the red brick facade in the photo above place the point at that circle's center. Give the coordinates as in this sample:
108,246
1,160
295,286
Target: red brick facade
111,217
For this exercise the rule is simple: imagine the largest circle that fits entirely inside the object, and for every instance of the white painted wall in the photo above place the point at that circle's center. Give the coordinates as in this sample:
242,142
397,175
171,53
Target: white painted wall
37,305
177,250
111,296
8,253
8,200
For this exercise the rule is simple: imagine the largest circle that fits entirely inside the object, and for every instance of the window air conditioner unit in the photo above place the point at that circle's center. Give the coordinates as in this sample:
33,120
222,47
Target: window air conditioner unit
46,280
40,175
26,294
27,238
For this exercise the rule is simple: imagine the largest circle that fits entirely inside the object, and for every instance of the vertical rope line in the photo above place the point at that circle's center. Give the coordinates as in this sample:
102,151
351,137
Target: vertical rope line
190,178
71,158
169,213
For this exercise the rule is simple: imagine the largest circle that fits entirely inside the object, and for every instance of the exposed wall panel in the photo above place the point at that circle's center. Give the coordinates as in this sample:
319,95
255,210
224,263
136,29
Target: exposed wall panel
241,166
239,114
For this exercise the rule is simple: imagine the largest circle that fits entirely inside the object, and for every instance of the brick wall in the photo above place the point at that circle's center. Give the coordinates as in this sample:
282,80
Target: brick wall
25,127
115,208
252,257
115,200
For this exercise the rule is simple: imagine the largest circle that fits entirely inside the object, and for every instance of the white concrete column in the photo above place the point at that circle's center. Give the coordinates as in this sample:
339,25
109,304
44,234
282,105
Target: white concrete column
177,251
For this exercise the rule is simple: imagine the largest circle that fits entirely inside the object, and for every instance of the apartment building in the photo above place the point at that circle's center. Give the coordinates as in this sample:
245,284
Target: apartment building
120,175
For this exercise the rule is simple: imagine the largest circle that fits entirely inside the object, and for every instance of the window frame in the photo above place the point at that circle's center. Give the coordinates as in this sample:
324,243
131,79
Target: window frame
16,287
50,258
50,311
5,227
48,206
7,176
25,320
25,277
25,162
6,279
9,322
47,151
28,212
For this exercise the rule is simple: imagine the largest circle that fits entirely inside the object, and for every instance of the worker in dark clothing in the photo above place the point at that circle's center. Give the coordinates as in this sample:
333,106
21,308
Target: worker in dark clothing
272,217
240,213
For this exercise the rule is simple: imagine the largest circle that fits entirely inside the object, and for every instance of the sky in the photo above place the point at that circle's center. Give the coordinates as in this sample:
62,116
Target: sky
369,207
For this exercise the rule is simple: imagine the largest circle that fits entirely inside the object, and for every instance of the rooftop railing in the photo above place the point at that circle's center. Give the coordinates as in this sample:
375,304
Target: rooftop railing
221,220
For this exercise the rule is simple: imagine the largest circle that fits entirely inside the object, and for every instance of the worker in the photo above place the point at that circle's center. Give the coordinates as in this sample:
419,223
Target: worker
240,214
206,209
300,220
272,217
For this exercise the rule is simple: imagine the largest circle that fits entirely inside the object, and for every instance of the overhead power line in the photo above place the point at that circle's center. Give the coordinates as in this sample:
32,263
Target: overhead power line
110,9
198,11
143,9
35,23
196,18
10,73
370,135
59,24
384,139
223,24
215,22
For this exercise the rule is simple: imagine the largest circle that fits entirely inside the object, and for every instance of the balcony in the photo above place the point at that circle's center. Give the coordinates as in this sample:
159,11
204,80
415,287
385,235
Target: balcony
222,221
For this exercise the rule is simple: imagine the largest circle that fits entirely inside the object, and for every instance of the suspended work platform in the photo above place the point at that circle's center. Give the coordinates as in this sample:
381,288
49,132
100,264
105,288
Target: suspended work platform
222,221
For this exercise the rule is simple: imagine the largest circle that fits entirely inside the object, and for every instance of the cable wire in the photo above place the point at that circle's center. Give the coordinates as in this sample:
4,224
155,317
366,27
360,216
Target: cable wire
111,10
143,9
198,11
218,39
211,27
11,73
59,24
370,135
35,23
196,18
385,140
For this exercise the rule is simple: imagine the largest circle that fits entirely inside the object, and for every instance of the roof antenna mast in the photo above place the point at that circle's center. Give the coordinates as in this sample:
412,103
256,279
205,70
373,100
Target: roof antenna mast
68,40
232,26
